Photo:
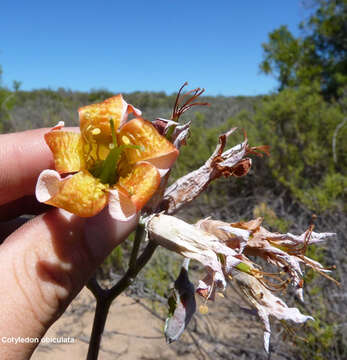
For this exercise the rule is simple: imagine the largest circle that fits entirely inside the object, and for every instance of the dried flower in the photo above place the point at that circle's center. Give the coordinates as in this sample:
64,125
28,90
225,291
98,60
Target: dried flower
286,251
231,162
222,248
266,304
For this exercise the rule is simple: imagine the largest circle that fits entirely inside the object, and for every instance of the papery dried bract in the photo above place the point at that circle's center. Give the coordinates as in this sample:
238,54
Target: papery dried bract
231,162
285,251
193,243
163,125
266,304
234,238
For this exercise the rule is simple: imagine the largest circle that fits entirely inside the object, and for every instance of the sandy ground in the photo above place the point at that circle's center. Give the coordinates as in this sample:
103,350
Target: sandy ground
134,333
131,332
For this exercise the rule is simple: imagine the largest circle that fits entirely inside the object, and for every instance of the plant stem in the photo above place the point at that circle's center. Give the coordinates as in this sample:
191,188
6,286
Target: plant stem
131,274
139,235
100,316
104,298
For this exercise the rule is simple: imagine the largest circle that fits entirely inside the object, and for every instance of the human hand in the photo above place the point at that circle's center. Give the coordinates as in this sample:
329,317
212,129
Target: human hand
46,261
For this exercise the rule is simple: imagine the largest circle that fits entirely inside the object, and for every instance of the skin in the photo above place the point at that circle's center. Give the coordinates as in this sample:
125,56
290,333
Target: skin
46,261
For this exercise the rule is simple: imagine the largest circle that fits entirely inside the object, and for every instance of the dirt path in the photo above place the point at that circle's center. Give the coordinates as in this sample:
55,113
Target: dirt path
131,333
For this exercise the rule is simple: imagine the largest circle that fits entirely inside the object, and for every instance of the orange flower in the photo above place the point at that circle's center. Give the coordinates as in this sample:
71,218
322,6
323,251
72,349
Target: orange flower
111,161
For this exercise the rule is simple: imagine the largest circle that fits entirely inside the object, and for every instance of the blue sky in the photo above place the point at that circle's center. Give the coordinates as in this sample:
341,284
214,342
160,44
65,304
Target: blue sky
125,46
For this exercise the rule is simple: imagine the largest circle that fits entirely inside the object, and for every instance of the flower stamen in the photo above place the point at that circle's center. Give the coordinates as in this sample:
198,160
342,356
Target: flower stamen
107,170
96,131
180,108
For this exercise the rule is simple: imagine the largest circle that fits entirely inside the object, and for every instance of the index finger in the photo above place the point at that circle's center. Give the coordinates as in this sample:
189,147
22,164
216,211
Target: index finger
23,156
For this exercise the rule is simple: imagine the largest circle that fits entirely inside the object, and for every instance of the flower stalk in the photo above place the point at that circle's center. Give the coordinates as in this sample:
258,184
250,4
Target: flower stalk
105,297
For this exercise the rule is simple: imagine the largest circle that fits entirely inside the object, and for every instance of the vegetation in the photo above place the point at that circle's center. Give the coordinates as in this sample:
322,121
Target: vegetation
319,56
305,125
298,179
299,126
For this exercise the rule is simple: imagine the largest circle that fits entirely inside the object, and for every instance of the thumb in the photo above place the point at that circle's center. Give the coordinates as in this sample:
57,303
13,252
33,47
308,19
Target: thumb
44,264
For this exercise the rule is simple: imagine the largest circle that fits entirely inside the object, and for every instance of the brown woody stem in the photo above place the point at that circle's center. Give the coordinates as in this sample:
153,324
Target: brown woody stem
105,297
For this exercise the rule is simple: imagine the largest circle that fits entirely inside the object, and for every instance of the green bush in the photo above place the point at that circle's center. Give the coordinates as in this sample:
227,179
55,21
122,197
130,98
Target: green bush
299,126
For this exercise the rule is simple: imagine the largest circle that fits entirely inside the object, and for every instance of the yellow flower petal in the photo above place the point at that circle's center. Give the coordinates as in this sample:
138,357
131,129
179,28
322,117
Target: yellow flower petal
67,150
155,148
141,183
95,126
95,118
81,194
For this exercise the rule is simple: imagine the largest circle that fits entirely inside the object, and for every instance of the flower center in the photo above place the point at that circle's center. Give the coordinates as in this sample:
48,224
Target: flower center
107,170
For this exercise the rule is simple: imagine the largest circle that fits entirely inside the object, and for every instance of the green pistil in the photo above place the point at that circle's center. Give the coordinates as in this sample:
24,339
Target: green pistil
243,267
106,170
113,132
108,173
